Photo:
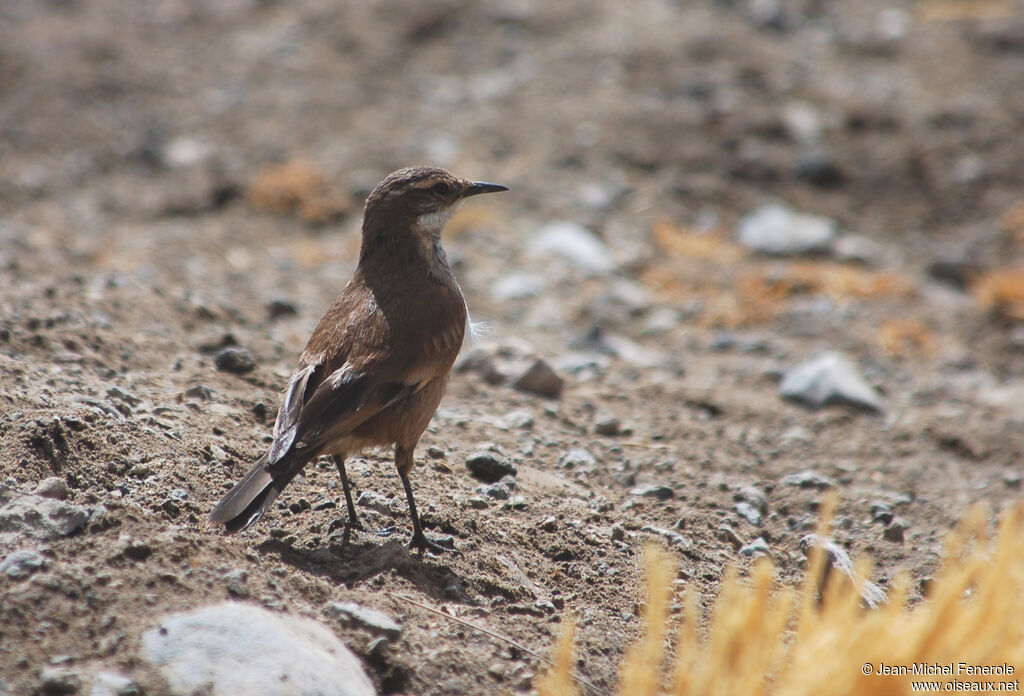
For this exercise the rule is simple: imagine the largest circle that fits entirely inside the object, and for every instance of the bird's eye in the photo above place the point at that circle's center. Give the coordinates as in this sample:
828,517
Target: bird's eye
442,188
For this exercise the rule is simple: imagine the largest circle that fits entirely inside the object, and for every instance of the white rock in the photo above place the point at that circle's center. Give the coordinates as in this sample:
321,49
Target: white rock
517,286
855,247
113,684
231,649
186,150
575,243
775,229
803,122
826,380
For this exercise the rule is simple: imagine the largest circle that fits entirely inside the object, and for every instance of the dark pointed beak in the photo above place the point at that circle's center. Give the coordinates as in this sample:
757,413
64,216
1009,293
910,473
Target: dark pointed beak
479,187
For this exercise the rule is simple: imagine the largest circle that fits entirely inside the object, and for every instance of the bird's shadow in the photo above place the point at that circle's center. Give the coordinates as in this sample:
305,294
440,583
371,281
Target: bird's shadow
354,561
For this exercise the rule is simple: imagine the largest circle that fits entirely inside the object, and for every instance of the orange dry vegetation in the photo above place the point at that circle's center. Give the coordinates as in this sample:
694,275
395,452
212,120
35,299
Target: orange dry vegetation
297,187
902,336
841,281
764,640
739,290
1002,292
1013,222
681,242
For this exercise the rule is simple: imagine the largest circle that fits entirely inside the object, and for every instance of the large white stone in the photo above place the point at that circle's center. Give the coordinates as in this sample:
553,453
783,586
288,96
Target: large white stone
232,648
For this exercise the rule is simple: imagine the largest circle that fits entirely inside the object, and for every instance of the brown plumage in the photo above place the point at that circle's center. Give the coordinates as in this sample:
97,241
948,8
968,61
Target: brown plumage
377,364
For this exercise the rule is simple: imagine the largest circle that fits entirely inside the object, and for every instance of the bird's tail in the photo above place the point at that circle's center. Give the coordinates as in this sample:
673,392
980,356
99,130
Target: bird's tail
244,505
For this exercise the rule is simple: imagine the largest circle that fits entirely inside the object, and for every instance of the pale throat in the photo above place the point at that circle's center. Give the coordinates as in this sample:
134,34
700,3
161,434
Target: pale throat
433,223
430,226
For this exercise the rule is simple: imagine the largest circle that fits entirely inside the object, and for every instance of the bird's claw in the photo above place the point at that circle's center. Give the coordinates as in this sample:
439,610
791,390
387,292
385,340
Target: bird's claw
422,543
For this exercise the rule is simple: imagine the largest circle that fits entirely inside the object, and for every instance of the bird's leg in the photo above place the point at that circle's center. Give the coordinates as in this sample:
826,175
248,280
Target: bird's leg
404,462
353,519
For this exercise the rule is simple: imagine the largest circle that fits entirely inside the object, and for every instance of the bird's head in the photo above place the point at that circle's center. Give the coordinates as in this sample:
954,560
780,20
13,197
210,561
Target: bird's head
420,199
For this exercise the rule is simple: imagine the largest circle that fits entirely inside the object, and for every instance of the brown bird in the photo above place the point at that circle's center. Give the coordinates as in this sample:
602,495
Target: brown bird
377,364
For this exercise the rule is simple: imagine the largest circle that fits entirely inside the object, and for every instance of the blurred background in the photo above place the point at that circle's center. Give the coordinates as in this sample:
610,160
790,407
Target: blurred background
187,142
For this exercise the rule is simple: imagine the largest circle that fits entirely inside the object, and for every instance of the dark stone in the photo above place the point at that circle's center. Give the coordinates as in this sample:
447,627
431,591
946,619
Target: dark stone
818,170
654,491
233,359
489,467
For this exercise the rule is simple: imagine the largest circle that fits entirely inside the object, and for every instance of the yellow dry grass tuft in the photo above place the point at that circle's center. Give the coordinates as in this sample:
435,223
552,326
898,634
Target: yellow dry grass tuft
558,679
765,640
297,187
1002,292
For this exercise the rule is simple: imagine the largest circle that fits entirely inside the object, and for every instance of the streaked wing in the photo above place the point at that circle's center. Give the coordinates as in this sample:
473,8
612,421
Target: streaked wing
285,428
343,401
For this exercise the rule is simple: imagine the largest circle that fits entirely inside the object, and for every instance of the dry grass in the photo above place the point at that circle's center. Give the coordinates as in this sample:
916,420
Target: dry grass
1001,292
740,290
767,640
297,187
681,242
901,337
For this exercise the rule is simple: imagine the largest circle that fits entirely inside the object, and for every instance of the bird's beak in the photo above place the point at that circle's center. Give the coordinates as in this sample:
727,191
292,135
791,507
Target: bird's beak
479,187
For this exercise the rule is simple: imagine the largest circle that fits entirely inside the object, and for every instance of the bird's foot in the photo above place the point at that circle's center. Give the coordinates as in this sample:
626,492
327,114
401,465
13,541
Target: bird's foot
421,542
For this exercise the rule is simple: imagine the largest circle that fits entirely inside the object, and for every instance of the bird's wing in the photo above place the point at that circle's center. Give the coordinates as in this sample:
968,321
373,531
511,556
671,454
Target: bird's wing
316,410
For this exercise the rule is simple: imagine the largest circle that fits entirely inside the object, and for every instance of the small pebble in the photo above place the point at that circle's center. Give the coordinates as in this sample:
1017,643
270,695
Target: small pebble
758,547
497,491
235,360
60,680
489,467
654,491
667,534
114,684
827,380
809,479
608,425
749,513
754,496
881,512
280,307
53,487
576,458
372,620
896,530
540,379
575,243
778,231
200,392
729,535
1012,479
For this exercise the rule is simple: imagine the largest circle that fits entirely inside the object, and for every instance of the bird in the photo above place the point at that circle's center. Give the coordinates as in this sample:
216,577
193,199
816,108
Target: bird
377,364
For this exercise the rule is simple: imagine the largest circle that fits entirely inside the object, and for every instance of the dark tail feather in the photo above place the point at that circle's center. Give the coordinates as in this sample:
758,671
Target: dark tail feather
245,504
